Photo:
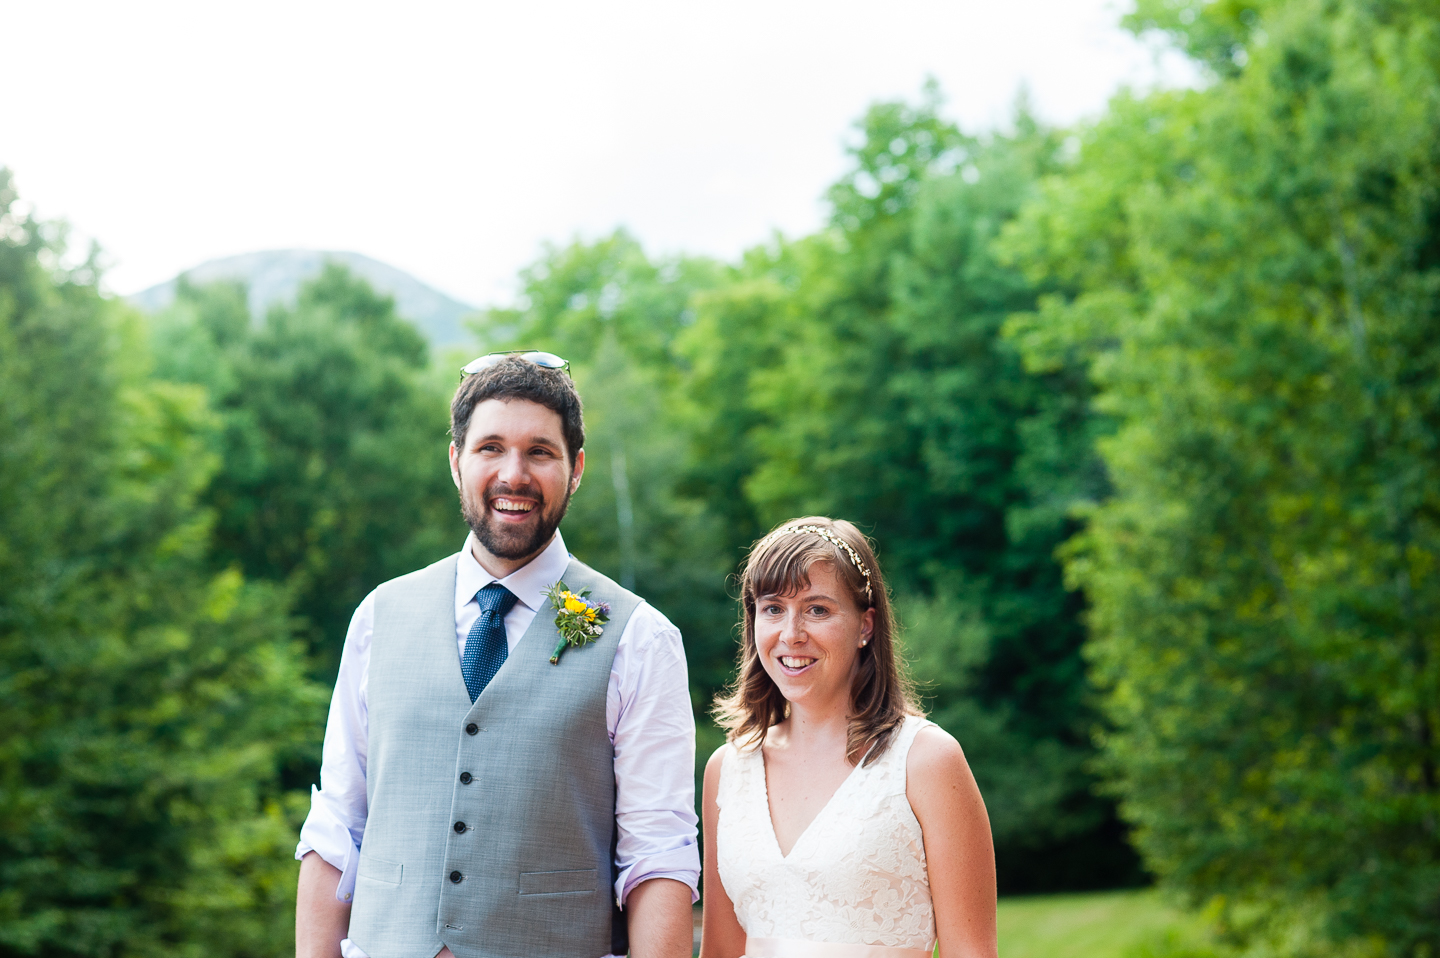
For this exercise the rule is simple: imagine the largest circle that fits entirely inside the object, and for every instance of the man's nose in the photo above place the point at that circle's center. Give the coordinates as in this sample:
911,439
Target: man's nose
514,470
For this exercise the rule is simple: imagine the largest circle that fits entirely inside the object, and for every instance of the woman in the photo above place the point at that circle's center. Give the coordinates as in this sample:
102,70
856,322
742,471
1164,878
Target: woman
838,822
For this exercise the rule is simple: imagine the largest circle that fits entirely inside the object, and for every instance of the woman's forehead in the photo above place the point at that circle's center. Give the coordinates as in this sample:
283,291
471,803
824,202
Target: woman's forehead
819,576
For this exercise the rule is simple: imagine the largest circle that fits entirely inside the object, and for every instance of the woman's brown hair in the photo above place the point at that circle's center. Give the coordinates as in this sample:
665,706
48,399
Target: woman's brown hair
779,564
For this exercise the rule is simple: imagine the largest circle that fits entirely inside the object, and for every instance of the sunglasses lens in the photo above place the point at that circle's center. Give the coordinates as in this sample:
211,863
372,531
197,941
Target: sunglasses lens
484,362
548,360
543,360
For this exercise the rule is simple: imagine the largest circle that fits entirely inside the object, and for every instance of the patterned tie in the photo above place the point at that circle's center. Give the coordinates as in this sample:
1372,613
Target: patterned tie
486,646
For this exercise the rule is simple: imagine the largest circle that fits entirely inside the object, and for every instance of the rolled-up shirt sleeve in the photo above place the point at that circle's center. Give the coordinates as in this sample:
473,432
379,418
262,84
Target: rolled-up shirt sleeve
335,826
653,733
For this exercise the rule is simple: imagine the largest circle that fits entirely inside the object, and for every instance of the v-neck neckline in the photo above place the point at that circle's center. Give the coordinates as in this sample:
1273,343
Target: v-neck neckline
769,817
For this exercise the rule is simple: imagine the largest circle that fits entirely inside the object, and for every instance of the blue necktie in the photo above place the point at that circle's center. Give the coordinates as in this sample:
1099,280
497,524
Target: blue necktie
486,646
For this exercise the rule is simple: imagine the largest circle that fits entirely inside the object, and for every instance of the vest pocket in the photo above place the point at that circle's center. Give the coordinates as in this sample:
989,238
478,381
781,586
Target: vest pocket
577,881
377,869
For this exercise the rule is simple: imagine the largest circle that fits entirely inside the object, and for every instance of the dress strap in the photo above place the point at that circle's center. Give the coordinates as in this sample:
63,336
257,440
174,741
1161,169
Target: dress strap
890,767
796,948
906,736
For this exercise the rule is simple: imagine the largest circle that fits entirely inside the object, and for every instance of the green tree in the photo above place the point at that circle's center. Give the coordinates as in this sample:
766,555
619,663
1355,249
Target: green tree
860,372
1256,272
885,393
616,316
146,704
333,474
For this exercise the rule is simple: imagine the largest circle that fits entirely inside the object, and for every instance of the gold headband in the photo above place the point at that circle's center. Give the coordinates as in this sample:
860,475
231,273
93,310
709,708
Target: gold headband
829,536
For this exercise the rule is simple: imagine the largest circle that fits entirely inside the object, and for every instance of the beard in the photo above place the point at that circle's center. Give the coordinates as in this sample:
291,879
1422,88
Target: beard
498,538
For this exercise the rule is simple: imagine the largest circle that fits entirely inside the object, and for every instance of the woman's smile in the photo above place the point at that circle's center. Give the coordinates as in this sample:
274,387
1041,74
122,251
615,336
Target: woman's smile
795,664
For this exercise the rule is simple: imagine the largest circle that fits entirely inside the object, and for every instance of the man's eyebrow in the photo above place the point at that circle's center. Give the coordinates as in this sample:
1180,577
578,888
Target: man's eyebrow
534,440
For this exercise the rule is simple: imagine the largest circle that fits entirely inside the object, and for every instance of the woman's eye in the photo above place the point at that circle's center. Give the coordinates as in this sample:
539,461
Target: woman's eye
818,610
771,610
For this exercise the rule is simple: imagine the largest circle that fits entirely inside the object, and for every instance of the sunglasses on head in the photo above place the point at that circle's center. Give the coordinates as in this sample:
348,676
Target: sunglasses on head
541,359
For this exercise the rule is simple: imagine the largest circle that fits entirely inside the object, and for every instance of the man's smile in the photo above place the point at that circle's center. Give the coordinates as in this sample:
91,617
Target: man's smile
512,509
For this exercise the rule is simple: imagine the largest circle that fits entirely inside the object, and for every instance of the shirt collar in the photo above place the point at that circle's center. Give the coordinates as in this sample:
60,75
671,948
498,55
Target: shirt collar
527,583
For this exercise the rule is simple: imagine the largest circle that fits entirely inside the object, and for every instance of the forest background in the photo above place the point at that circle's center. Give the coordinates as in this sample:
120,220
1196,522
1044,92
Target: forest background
1141,414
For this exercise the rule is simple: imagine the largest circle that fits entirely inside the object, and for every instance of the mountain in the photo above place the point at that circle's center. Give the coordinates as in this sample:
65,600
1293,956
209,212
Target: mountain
276,275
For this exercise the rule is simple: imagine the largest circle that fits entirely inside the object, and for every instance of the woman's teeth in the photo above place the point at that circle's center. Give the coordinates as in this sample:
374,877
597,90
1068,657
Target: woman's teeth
794,662
510,505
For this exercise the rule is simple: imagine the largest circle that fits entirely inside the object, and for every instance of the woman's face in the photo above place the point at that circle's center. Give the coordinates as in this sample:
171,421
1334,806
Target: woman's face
809,642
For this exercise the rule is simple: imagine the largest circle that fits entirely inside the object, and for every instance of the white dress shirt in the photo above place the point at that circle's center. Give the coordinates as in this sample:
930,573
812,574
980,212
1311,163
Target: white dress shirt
647,713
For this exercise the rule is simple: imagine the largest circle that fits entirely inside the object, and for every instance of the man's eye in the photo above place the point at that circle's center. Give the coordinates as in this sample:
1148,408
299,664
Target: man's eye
490,447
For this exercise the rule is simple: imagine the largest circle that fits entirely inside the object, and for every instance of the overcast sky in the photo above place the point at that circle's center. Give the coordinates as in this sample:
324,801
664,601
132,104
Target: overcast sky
453,139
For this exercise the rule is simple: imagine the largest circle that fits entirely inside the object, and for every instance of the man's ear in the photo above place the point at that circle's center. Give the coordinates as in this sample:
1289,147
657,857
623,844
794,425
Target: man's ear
577,471
455,465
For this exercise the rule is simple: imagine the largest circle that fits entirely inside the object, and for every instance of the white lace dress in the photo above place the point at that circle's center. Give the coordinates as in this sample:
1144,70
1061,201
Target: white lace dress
853,886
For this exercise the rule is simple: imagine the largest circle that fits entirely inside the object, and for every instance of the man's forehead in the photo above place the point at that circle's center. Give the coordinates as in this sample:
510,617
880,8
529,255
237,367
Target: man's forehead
516,416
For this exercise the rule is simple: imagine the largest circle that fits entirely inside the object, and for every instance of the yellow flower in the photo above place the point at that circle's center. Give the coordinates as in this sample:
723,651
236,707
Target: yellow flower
590,614
573,604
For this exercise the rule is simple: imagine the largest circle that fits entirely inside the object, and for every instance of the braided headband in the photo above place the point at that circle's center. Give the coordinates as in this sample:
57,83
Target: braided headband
829,536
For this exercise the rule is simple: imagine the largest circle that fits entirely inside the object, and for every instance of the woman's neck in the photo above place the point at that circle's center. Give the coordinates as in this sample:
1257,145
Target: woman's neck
816,727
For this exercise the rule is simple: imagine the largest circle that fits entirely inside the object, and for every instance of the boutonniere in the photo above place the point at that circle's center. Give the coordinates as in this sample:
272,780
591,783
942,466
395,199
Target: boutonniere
578,620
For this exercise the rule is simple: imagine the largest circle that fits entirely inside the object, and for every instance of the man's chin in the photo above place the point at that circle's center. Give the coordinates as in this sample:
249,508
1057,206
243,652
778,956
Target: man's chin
505,541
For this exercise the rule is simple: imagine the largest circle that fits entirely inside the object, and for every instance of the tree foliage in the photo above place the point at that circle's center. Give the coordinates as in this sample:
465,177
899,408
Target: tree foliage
861,372
333,474
1255,276
146,704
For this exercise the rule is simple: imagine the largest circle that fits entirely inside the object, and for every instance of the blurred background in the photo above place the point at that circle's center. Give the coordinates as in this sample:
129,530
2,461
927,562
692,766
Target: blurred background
1114,326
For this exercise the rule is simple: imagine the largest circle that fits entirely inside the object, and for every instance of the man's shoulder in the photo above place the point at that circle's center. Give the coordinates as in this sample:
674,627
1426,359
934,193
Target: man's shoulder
645,624
581,576
436,575
629,606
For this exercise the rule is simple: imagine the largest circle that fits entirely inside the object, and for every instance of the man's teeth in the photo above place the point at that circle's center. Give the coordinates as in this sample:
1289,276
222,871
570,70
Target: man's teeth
510,505
791,662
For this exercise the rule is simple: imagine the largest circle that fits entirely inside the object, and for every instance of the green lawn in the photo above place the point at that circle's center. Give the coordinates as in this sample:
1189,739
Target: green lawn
1121,924
1128,924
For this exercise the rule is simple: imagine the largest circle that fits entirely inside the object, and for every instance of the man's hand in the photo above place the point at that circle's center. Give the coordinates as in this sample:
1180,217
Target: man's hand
659,919
321,922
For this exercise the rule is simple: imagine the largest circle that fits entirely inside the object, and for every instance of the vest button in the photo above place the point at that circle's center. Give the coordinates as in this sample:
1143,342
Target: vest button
459,827
456,877
465,778
471,729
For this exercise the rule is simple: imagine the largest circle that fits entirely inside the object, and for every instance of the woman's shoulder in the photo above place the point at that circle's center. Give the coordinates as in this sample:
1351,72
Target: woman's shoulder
725,755
935,758
717,757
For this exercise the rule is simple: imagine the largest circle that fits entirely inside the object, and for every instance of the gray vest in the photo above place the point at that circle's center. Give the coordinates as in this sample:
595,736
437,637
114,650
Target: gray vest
491,826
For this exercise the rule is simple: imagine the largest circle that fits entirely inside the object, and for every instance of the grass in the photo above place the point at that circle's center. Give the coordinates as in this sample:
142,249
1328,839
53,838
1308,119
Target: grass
1122,924
1127,924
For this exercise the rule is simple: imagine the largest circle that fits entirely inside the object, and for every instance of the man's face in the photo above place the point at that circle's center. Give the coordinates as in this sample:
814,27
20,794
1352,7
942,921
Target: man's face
514,478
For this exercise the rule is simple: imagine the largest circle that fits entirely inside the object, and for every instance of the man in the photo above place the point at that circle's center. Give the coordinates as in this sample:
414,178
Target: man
476,799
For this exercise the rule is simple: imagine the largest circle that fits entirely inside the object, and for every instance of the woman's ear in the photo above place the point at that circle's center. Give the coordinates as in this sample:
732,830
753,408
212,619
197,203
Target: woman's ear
867,626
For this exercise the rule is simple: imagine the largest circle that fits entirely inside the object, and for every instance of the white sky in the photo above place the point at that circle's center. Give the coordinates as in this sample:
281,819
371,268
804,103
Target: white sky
452,139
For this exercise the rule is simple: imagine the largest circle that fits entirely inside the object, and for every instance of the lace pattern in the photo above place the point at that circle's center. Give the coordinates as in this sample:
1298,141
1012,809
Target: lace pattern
856,875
